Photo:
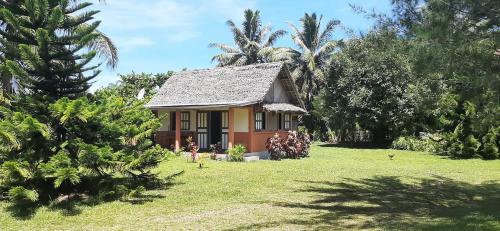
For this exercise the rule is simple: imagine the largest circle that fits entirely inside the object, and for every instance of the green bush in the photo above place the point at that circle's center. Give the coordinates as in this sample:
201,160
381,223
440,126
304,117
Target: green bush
237,152
20,195
490,148
86,139
412,143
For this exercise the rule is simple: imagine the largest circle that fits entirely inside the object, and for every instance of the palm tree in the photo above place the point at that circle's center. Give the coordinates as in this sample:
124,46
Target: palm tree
309,62
253,43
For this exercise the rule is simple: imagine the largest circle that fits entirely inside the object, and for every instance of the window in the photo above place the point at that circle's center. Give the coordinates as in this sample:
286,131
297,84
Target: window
280,119
185,121
260,121
287,122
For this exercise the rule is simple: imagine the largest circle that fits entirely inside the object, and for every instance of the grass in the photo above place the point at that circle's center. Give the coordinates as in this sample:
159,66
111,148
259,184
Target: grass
336,188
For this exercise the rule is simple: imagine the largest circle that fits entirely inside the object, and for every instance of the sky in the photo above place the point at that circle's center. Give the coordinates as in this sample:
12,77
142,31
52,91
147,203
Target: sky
155,36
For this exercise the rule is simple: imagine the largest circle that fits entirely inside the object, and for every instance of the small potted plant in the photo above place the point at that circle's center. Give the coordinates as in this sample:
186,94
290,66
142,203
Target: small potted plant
216,149
194,151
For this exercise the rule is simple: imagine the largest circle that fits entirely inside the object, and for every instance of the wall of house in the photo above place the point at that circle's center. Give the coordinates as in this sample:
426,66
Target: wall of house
240,120
277,93
260,139
242,138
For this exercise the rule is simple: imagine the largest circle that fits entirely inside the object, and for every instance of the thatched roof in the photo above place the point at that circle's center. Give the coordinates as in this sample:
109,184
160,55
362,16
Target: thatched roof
283,107
224,86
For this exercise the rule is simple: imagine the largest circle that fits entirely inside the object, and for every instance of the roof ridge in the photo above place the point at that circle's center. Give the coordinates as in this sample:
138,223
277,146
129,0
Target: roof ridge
279,63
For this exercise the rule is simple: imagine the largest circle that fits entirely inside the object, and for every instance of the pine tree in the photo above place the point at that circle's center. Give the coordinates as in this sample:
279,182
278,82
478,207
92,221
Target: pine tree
49,46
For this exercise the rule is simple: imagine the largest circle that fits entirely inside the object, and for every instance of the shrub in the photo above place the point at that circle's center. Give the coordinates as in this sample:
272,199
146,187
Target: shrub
295,145
412,143
490,148
275,148
215,149
20,195
237,152
75,141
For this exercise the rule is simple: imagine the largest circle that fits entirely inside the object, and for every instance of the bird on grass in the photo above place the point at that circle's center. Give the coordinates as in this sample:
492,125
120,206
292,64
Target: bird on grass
391,156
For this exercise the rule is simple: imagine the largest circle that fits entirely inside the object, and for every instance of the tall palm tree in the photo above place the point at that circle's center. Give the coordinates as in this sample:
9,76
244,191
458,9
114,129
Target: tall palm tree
309,62
253,42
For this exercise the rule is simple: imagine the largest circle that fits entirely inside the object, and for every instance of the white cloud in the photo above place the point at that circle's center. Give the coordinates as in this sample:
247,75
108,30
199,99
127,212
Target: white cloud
180,18
133,14
182,36
134,41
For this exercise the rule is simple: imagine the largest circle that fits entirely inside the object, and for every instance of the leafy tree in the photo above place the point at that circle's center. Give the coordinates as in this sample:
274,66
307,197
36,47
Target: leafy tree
253,43
55,139
371,86
456,42
130,85
49,45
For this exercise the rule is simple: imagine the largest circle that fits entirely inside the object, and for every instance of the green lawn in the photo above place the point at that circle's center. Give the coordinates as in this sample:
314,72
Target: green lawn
336,188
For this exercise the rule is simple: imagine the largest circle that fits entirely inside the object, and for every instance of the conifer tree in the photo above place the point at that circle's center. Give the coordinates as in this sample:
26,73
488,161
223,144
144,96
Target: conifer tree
50,46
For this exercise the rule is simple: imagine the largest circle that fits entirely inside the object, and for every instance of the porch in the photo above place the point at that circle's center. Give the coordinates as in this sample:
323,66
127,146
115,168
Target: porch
250,126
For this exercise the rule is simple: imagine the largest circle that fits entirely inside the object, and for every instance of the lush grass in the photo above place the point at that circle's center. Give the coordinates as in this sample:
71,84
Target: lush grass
336,188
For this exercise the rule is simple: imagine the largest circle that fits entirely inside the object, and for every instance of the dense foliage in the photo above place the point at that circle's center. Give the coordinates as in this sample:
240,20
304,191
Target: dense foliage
55,138
430,70
371,86
129,86
48,45
456,43
86,140
294,146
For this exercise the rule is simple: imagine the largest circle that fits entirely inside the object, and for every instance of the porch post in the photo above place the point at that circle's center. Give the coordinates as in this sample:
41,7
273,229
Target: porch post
178,130
230,135
251,129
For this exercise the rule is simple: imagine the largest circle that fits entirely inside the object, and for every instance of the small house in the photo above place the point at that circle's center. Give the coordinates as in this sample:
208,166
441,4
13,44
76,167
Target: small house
227,105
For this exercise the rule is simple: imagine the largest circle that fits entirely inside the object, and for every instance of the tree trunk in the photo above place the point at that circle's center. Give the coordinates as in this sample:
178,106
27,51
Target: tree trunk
6,83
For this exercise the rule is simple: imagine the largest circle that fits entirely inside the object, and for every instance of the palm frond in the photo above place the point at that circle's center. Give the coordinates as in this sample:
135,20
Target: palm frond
224,47
274,36
326,48
105,48
327,32
239,37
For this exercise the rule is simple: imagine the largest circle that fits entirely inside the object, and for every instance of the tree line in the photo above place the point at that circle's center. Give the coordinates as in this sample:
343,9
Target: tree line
426,74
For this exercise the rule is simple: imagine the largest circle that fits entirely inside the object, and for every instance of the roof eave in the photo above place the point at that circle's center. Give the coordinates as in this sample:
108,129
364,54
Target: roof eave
197,106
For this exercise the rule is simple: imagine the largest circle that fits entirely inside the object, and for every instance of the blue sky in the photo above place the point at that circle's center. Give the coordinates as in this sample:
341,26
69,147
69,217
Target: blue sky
155,36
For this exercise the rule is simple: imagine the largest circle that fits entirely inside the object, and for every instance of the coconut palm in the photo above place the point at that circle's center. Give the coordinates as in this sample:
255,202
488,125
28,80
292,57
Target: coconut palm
253,43
309,62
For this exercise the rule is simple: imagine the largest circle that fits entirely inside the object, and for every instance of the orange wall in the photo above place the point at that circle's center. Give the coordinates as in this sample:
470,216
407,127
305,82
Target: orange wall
260,139
241,138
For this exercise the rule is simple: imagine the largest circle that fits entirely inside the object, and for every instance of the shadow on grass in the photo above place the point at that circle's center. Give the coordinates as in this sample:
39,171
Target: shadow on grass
71,204
386,202
22,212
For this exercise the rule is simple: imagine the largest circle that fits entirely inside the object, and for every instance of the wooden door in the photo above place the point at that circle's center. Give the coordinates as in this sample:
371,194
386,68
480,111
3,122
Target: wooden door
225,129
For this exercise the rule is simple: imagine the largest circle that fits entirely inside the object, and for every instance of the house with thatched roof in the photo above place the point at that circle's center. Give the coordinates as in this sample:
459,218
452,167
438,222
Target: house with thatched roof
227,105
